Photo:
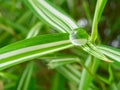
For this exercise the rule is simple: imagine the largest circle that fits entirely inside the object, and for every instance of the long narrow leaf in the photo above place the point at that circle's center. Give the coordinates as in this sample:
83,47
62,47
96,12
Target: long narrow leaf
27,49
58,82
110,52
24,81
35,30
86,78
49,14
61,61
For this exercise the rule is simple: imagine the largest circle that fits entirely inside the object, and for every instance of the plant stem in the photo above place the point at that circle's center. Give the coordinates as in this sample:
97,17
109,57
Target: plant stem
98,12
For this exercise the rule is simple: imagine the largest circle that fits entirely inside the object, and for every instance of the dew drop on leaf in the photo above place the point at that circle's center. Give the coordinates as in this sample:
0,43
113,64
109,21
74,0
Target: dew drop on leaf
78,37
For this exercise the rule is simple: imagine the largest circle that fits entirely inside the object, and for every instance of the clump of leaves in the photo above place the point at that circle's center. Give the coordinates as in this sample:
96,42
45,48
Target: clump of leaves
45,33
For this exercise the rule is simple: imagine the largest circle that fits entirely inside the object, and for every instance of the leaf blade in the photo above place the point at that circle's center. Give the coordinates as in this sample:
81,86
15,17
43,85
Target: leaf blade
17,52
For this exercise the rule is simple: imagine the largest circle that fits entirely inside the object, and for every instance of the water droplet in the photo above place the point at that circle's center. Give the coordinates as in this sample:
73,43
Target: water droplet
78,37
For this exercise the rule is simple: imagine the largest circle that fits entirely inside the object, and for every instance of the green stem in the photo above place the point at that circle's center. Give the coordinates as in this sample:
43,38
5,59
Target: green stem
98,12
86,77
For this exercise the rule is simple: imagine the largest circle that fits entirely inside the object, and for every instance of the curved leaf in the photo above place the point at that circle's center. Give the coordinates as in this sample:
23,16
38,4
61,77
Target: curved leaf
32,48
50,14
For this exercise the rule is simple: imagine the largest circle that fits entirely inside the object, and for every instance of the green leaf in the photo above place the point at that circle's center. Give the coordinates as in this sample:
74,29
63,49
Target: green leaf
50,14
7,29
61,61
56,18
13,25
93,50
86,78
111,53
27,49
24,81
35,30
24,17
8,75
58,82
32,48
69,74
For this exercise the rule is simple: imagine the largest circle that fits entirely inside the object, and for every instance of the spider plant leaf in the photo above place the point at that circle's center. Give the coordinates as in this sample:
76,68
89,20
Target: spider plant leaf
110,52
23,83
29,49
68,74
93,50
35,30
50,14
86,78
68,71
61,61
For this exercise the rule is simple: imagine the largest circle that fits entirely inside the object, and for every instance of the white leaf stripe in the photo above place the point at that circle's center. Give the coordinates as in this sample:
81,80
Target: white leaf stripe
32,48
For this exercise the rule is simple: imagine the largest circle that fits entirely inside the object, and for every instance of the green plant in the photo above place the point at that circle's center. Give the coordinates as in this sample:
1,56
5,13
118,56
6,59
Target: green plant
86,52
